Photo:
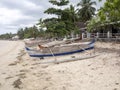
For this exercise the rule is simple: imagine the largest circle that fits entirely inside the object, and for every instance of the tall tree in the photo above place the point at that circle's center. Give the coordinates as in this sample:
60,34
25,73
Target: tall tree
59,3
108,15
86,10
110,11
20,33
56,26
55,11
69,16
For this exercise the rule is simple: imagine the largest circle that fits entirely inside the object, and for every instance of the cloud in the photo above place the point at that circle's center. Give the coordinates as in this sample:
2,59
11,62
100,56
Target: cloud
15,14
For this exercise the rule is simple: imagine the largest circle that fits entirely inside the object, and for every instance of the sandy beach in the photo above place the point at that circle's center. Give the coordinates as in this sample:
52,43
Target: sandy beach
18,71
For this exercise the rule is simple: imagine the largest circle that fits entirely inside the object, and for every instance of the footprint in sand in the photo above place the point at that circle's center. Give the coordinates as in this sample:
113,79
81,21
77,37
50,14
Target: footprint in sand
48,78
40,74
24,65
45,88
64,88
45,66
32,67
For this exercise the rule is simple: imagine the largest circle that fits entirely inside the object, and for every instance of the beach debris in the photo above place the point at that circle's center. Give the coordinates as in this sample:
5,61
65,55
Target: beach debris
45,88
64,88
24,64
35,63
89,64
3,73
44,66
118,63
48,78
17,83
32,67
72,56
14,63
9,77
117,83
21,75
24,70
21,54
115,89
19,57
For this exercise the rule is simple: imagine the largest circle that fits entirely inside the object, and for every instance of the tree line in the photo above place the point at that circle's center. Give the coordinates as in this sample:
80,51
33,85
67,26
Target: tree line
7,36
65,21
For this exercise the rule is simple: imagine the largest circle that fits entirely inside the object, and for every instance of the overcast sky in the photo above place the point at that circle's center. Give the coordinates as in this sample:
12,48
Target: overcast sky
15,14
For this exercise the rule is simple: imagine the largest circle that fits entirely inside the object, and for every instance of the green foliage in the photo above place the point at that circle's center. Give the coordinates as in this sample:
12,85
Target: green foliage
110,10
64,24
53,11
107,15
93,24
20,33
60,30
31,32
40,23
86,11
6,36
69,14
59,3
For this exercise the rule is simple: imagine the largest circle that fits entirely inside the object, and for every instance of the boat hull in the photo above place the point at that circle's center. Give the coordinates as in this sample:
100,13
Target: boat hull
60,54
37,54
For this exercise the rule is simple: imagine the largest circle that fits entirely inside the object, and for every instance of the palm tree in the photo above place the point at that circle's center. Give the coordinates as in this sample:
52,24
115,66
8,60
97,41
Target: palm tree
69,16
72,13
87,10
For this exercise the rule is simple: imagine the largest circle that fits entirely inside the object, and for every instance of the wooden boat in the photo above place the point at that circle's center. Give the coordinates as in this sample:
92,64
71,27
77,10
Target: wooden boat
66,49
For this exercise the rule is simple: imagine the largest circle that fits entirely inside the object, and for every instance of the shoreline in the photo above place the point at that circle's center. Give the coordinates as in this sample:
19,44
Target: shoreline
26,73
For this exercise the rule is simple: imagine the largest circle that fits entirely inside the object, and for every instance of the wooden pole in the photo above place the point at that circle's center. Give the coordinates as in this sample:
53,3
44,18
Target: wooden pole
52,53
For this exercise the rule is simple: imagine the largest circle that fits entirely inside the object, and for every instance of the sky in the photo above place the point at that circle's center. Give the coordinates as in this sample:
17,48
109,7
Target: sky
16,14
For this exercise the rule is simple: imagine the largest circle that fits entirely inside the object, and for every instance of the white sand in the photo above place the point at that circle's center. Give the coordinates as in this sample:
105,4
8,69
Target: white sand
9,50
25,73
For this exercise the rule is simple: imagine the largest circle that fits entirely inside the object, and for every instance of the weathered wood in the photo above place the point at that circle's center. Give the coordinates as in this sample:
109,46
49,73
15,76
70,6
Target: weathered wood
68,60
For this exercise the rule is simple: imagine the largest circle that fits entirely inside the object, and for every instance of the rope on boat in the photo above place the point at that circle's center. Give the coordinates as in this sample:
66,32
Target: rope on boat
52,53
